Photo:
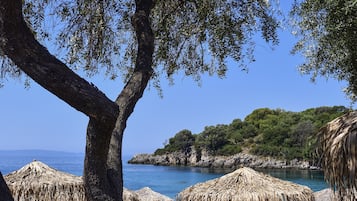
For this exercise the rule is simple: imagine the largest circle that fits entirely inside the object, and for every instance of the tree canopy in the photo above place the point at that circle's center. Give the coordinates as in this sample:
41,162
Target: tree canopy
327,39
192,36
142,40
139,40
266,132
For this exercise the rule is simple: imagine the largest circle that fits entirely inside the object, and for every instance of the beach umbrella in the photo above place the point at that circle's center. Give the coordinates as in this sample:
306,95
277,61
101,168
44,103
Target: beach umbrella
324,195
146,194
338,152
245,184
39,182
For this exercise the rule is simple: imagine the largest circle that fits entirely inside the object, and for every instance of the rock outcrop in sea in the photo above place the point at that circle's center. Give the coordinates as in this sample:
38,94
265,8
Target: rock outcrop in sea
228,162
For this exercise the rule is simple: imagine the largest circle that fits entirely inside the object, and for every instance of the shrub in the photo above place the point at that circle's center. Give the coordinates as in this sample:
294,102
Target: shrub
229,150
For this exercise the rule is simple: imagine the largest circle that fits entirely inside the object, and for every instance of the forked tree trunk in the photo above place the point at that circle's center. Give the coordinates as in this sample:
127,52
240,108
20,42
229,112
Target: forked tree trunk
19,44
103,166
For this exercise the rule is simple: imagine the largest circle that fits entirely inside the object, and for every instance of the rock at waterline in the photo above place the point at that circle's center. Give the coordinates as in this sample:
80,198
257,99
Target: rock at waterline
228,162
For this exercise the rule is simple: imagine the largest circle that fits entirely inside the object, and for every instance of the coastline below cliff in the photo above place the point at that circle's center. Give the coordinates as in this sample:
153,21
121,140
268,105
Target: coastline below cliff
218,162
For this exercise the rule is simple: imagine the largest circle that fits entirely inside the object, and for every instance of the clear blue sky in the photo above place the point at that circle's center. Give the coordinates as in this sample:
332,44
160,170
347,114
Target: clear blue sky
36,119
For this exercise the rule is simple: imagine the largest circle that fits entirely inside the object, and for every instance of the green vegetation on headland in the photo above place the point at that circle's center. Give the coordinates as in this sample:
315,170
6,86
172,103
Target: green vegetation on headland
264,132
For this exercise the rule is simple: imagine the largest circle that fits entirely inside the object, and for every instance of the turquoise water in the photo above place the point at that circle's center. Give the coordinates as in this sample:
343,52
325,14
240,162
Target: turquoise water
171,180
165,180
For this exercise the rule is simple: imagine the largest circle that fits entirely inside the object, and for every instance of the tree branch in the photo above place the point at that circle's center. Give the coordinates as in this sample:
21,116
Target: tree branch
19,44
136,85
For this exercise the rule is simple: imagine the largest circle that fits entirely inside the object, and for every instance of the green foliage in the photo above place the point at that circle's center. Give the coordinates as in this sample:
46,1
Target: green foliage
213,138
198,36
265,132
195,37
327,39
182,142
229,149
266,150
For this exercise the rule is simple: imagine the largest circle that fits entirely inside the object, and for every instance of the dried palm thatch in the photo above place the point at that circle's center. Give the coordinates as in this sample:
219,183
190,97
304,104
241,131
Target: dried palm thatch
38,182
324,195
146,194
338,152
245,184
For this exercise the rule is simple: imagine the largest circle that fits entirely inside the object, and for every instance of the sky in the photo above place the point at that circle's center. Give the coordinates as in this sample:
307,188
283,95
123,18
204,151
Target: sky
35,119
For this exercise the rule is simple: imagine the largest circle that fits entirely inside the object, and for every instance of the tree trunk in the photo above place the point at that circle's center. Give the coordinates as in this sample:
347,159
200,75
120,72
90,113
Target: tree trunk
103,166
18,43
97,179
5,193
135,87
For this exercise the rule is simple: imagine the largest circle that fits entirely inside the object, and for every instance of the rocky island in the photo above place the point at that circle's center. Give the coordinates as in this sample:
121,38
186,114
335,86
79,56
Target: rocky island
266,138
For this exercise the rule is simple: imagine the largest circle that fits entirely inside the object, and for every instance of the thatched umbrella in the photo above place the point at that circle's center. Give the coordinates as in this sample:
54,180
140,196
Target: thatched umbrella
245,184
324,195
338,152
37,181
146,194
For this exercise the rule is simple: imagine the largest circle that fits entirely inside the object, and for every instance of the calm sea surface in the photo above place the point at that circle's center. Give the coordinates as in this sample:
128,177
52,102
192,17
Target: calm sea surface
165,180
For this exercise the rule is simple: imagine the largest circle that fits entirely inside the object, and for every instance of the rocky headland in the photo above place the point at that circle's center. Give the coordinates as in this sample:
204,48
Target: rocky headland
205,160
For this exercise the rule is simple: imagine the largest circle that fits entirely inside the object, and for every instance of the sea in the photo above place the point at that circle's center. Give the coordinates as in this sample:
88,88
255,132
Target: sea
166,180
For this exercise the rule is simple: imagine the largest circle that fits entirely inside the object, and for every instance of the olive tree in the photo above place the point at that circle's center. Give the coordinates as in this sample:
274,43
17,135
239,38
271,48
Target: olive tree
327,39
327,33
140,41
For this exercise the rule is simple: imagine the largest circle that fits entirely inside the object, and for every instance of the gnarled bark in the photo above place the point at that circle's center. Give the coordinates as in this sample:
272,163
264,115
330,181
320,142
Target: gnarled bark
135,87
5,193
103,166
97,182
18,43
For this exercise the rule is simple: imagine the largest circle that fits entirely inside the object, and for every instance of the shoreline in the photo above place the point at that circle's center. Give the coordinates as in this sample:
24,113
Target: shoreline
220,162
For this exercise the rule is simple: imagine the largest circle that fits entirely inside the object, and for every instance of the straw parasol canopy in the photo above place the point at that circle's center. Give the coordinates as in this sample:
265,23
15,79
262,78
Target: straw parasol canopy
37,181
245,184
146,194
338,152
324,195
